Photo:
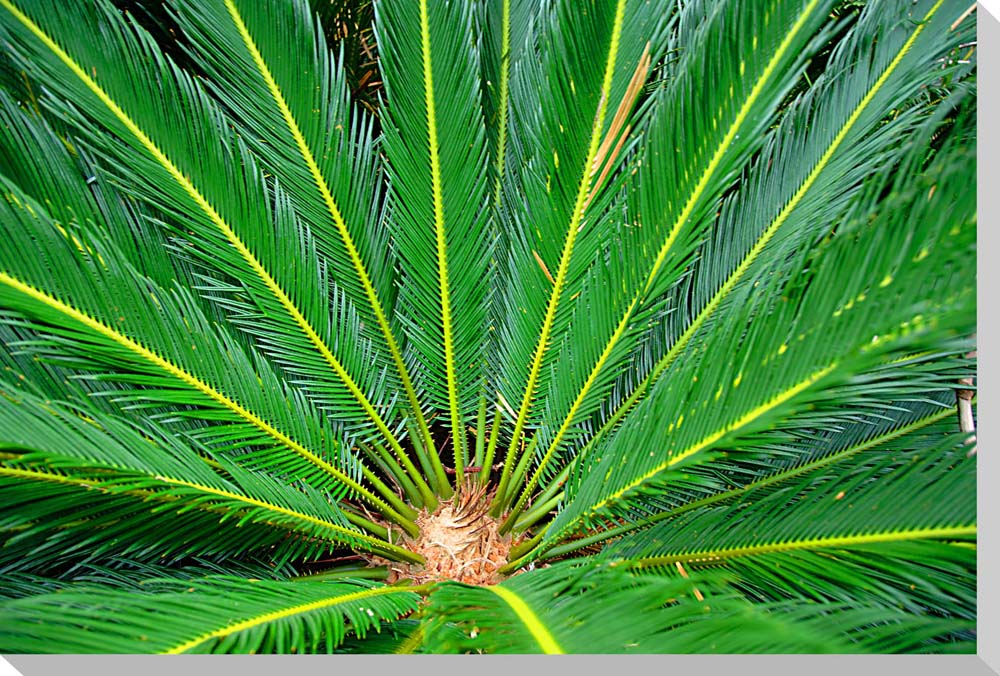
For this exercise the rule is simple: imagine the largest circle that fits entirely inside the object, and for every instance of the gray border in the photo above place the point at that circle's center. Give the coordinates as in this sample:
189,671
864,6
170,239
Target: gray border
985,663
989,281
267,665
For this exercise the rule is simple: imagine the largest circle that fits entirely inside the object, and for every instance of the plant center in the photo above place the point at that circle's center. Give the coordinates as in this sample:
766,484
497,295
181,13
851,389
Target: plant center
460,541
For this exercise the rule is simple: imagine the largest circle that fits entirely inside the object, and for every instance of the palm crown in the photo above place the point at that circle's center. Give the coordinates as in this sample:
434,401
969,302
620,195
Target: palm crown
632,326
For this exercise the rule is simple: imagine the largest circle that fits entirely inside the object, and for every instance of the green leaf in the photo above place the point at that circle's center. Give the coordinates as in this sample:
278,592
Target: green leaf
435,146
794,339
99,313
239,229
212,614
840,533
579,609
60,460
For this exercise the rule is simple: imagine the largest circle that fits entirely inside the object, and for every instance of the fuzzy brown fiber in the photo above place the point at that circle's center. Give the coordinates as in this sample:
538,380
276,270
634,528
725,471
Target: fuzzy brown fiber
460,541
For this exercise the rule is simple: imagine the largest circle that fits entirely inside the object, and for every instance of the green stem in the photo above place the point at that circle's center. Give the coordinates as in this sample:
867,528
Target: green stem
521,548
536,513
434,469
355,571
388,493
506,494
480,433
491,447
369,526
384,458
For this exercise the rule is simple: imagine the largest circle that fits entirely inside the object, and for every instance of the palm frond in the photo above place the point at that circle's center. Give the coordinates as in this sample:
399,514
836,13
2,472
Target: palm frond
778,207
212,614
326,163
565,99
833,319
97,312
842,535
565,608
778,458
237,228
435,145
57,461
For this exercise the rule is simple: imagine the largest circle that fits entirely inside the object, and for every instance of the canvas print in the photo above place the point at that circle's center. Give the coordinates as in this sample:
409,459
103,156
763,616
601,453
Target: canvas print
488,326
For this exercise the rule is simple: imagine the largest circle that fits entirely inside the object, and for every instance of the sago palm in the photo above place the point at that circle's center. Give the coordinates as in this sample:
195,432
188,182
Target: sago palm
635,326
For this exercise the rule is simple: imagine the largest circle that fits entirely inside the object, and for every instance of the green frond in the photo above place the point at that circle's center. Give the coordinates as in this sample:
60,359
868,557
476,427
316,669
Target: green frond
867,296
323,153
130,573
212,614
587,62
162,342
842,535
435,147
777,458
60,461
790,197
567,608
157,121
616,326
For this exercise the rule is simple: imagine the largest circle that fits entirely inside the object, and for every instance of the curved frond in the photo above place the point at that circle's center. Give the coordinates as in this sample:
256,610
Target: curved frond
791,196
874,292
159,121
566,608
326,163
435,145
842,534
159,342
212,614
58,462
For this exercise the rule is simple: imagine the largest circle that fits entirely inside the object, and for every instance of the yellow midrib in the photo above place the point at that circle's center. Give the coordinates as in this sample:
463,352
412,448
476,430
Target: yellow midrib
504,95
527,616
708,556
191,380
338,220
782,476
145,494
567,251
282,614
686,212
820,462
779,220
212,214
375,542
723,146
707,441
457,429
568,420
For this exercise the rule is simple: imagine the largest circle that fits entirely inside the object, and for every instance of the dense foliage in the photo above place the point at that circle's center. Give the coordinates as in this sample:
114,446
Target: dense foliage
632,326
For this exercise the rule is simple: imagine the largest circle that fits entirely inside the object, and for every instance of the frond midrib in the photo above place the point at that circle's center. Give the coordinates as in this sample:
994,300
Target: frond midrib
724,496
196,383
709,556
572,231
766,236
223,226
529,619
338,220
504,99
437,195
258,620
344,534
